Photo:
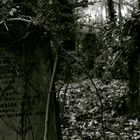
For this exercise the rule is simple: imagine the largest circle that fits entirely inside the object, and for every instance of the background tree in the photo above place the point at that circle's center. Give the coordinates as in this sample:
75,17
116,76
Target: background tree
139,4
120,12
111,11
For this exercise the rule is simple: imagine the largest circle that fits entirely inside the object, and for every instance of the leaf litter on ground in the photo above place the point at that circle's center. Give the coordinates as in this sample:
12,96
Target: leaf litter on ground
82,118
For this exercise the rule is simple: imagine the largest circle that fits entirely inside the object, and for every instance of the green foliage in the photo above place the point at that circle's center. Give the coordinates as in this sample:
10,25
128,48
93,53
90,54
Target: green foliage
131,32
90,49
62,24
90,43
14,9
112,57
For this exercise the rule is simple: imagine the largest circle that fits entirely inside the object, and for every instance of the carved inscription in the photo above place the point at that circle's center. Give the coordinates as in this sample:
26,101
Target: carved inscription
13,91
9,98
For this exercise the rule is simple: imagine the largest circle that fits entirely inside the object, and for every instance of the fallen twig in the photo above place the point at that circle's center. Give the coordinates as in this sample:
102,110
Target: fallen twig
116,59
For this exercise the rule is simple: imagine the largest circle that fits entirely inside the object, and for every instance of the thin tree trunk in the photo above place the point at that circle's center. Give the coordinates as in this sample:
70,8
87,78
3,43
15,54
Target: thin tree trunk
120,12
138,4
111,11
102,13
48,106
139,64
106,9
134,76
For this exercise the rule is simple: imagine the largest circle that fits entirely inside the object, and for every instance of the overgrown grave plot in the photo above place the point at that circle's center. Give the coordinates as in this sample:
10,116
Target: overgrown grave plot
82,118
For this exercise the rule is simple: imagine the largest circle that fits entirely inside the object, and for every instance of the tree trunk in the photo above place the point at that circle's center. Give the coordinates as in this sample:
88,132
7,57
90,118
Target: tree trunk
138,4
139,64
120,12
133,82
134,75
111,11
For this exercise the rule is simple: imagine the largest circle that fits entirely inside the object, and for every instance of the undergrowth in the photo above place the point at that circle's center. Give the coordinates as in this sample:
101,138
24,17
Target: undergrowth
83,117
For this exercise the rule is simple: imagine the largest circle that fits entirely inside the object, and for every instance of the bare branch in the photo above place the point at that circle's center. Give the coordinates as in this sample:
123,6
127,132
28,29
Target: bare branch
14,19
19,19
5,26
116,59
81,4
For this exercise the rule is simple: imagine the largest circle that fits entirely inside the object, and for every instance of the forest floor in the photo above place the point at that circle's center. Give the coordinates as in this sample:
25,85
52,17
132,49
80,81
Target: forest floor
88,115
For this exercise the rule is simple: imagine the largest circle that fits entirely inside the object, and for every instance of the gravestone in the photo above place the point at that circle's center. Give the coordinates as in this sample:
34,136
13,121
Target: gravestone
25,73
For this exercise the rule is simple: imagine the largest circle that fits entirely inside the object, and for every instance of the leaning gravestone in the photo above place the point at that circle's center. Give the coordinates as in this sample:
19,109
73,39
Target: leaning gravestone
25,74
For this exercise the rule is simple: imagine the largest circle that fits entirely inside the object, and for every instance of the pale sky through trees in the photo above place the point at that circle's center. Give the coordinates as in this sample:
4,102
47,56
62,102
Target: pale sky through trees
97,12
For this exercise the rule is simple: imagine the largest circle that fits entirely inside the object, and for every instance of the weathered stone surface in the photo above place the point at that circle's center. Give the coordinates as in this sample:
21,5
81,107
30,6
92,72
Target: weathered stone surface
25,74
